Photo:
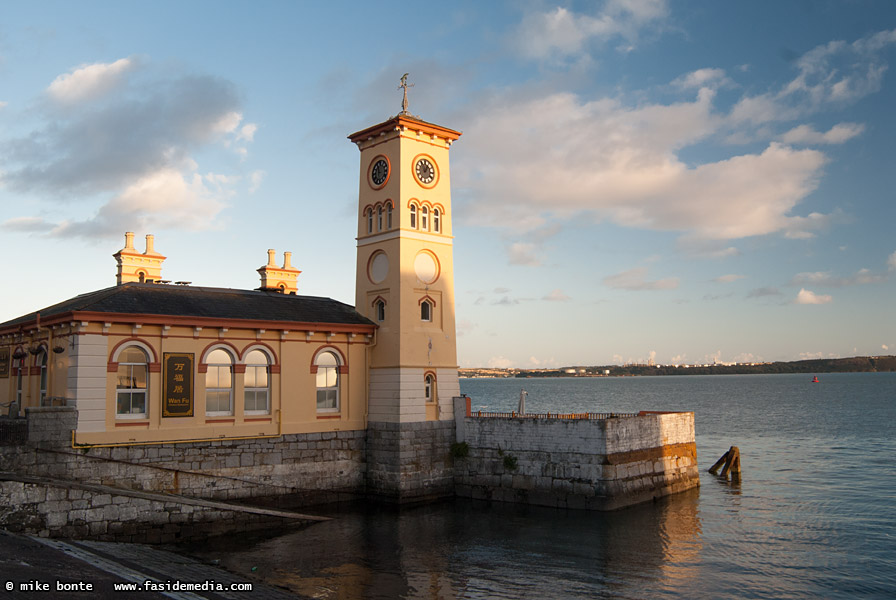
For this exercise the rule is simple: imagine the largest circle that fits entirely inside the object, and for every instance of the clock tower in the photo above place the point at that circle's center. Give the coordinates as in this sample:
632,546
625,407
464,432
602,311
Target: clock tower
405,284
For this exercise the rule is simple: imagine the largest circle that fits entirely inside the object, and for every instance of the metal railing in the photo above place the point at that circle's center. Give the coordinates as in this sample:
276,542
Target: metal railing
589,416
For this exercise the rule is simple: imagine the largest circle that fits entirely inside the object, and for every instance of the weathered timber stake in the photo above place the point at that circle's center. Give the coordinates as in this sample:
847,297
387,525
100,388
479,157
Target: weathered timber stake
731,460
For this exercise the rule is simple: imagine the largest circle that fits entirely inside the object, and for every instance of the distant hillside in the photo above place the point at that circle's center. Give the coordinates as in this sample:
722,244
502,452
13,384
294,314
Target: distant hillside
856,364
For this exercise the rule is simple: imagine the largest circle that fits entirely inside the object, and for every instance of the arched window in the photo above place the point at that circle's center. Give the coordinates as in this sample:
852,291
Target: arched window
327,382
424,218
257,383
413,216
131,387
142,276
369,220
219,383
380,310
429,387
426,310
436,220
379,218
389,216
41,361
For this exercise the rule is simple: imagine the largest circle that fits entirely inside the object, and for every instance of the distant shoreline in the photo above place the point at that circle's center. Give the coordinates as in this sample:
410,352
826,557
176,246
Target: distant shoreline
856,364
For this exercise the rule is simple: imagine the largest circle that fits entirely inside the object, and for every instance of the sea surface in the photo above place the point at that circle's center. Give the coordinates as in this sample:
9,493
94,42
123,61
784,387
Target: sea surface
814,515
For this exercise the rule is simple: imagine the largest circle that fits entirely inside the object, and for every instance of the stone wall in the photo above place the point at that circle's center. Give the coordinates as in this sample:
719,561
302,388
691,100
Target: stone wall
297,469
77,512
598,464
410,462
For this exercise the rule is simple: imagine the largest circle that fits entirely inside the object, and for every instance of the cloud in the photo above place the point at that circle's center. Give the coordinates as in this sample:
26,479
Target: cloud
561,33
824,278
506,301
255,180
499,362
891,262
832,74
635,279
804,134
610,162
27,224
728,278
501,290
811,355
522,253
557,296
884,347
703,78
764,291
165,199
113,134
89,82
806,297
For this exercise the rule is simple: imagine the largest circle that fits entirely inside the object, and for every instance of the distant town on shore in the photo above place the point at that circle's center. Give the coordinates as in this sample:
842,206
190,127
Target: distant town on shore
856,364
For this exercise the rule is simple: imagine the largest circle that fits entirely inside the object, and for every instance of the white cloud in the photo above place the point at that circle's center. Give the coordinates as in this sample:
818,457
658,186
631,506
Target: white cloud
811,355
825,278
635,279
561,33
728,278
807,297
247,132
499,362
804,134
702,78
557,296
522,253
884,347
612,162
27,224
3,104
255,180
832,74
89,81
128,150
164,199
891,262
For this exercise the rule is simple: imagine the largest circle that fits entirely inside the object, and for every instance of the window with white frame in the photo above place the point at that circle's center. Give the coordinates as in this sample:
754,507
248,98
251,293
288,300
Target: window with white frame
257,384
379,218
131,385
327,382
389,216
413,216
219,383
380,310
426,310
424,218
369,220
436,220
429,387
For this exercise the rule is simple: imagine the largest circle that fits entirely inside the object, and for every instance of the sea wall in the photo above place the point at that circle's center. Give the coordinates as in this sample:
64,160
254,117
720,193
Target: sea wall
305,468
599,464
77,511
410,462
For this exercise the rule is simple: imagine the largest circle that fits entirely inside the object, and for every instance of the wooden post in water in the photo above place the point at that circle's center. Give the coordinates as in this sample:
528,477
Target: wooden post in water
731,460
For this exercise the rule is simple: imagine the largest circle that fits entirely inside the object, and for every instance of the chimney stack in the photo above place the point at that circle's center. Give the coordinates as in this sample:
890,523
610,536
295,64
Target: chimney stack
129,240
149,242
287,257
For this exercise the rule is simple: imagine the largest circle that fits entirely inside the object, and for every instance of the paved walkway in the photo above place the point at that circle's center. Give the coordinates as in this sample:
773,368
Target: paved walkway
29,566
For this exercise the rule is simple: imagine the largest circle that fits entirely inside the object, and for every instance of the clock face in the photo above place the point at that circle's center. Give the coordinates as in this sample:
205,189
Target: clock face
425,171
380,172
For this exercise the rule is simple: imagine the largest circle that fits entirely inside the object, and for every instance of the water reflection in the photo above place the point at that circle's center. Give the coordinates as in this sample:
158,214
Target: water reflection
469,549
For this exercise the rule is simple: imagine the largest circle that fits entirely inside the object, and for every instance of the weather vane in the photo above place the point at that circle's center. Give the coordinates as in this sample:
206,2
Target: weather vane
404,102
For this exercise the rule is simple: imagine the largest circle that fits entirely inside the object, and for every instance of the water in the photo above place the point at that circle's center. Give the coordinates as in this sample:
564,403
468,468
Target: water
814,515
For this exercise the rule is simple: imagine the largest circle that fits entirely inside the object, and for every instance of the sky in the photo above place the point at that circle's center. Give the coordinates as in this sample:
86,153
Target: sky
676,181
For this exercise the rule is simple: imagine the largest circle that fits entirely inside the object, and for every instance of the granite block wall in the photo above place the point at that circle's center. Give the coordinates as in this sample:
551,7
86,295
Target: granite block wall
591,464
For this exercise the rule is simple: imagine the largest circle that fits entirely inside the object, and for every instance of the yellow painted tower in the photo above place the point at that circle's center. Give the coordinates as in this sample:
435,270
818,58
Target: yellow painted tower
405,269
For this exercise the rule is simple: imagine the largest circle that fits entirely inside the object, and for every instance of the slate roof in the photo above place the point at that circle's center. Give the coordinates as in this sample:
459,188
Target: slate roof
214,303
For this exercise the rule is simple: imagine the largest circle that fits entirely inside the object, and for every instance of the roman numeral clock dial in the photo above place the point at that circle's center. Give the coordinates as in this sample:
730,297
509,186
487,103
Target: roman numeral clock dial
425,171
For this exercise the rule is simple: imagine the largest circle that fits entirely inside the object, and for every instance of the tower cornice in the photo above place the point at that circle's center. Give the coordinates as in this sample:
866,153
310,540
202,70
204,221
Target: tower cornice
402,123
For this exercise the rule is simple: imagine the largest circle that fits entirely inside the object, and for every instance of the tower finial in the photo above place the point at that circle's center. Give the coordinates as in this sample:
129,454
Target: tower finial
404,102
